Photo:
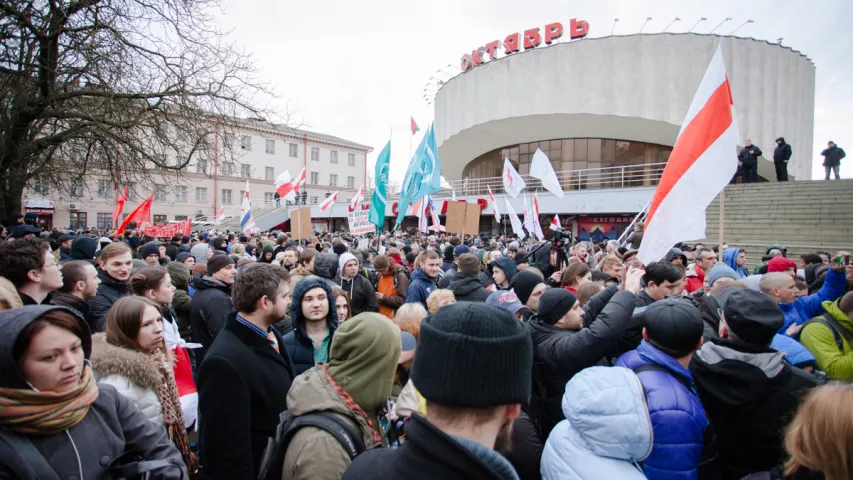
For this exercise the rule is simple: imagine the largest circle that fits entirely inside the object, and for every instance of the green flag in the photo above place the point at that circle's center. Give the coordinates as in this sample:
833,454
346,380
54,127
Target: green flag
377,204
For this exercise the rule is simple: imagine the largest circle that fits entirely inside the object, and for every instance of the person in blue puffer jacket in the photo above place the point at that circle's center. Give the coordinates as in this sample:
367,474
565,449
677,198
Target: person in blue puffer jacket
683,442
781,287
735,258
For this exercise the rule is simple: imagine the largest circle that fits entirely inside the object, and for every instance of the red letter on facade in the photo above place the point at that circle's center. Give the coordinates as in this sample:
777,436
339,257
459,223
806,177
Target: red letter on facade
492,49
477,56
553,31
532,39
511,44
466,63
579,28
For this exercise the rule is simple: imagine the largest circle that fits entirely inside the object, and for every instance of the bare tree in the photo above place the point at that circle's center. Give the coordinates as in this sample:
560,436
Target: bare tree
118,89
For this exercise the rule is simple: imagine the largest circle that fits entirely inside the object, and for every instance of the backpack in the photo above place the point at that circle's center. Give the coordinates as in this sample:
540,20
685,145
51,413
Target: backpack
838,330
272,460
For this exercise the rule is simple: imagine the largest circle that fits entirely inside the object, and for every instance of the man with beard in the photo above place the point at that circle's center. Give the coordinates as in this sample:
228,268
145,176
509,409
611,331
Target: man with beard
245,376
473,368
115,264
291,258
79,283
211,303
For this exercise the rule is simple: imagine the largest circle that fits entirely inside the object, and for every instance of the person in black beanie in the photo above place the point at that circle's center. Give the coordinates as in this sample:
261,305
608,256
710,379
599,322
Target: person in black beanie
562,346
339,248
528,287
473,367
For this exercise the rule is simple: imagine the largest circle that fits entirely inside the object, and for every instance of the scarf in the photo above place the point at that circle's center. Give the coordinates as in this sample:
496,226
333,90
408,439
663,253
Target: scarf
29,412
173,418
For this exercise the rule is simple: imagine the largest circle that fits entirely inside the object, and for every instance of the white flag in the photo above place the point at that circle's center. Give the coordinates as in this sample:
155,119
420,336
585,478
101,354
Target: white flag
494,206
328,202
453,194
513,218
540,167
537,225
513,183
555,223
528,217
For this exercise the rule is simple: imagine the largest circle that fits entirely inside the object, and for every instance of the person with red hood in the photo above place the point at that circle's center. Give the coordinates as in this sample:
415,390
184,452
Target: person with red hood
782,264
704,260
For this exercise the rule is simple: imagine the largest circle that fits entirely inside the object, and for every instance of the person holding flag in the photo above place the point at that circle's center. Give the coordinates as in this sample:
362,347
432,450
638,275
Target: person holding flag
423,177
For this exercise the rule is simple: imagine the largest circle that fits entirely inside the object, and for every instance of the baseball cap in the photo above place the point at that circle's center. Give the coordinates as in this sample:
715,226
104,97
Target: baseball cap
408,341
460,250
674,325
506,300
753,316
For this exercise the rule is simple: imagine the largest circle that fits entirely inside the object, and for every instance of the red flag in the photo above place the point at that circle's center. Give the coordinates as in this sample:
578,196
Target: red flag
140,214
188,228
414,126
119,206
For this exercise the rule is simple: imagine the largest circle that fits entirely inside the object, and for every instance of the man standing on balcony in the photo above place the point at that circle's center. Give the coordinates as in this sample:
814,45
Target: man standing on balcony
781,156
748,159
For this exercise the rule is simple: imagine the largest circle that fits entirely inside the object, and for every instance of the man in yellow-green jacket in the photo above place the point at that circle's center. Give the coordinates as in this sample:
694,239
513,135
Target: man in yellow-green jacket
830,338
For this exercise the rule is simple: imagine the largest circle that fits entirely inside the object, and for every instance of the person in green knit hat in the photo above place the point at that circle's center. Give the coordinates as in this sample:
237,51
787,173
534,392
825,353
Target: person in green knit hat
829,337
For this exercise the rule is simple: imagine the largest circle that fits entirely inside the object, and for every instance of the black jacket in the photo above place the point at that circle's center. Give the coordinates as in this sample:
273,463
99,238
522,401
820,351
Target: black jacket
782,151
558,354
708,306
525,452
750,396
362,296
298,344
832,156
109,291
83,248
468,288
747,158
634,331
80,307
210,307
242,388
428,453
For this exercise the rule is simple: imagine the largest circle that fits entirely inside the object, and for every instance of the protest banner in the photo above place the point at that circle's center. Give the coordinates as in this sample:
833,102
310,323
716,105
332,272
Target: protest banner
359,222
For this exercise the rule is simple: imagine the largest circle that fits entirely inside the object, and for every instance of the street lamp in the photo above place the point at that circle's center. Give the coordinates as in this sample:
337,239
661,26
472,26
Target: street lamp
738,28
644,24
721,23
697,23
670,23
614,25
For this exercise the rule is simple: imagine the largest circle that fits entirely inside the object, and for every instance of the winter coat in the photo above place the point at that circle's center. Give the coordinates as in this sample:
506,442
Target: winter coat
750,394
298,274
210,307
820,340
80,307
420,287
832,156
607,430
65,255
297,343
201,252
635,239
132,373
730,258
361,293
525,452
695,278
559,353
83,248
428,453
109,291
782,151
313,453
326,267
810,306
507,265
750,159
677,415
402,281
468,288
181,302
634,330
242,389
112,426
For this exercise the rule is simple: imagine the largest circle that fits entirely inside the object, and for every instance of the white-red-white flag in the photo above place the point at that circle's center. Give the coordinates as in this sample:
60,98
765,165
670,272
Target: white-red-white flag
513,183
359,196
701,164
298,181
328,202
284,187
494,206
219,219
555,223
537,225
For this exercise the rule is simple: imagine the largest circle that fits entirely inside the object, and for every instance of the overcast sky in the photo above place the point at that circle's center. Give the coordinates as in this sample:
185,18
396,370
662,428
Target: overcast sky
357,69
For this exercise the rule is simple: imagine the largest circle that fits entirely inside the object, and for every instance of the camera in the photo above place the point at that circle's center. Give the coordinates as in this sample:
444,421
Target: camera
561,239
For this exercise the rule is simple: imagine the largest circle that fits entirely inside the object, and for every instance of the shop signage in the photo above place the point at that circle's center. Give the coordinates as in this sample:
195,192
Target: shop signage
41,206
600,228
528,40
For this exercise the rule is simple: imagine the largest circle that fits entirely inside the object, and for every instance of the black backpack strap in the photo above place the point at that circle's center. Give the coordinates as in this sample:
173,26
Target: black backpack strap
25,448
838,330
659,368
349,439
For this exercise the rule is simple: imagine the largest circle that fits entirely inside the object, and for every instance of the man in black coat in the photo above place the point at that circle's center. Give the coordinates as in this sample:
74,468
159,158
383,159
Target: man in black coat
465,284
781,156
211,303
562,346
114,266
832,156
245,376
748,158
750,393
362,295
314,321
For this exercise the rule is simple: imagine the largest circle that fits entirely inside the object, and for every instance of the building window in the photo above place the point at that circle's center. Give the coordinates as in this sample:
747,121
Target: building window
315,154
103,188
105,221
76,188
294,150
242,194
201,194
313,200
245,170
160,192
333,180
269,197
351,159
270,147
180,218
41,185
315,178
228,169
181,194
159,219
269,173
201,167
226,197
78,220
350,182
333,156
246,142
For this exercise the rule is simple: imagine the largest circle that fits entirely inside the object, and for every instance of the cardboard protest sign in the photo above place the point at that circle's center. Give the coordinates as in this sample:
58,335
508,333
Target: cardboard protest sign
359,222
300,223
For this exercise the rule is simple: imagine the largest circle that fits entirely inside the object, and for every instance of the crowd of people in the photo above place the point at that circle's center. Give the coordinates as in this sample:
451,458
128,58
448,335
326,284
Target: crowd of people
230,356
747,169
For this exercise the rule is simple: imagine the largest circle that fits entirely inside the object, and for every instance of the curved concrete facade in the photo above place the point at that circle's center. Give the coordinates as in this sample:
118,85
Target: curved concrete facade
635,87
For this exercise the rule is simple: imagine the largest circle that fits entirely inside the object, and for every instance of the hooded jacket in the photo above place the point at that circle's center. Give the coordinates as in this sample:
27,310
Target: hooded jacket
299,273
820,340
361,293
83,248
695,278
750,394
326,267
677,415
674,253
264,252
730,258
782,151
201,252
832,156
181,302
362,364
810,306
468,288
420,287
211,305
112,426
298,344
109,291
507,265
80,307
607,430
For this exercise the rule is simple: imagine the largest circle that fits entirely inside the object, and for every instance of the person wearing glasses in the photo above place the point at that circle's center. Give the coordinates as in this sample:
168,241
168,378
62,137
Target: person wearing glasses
29,264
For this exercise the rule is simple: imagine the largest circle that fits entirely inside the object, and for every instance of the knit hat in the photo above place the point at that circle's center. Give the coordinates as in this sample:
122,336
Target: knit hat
339,248
753,316
460,250
346,257
718,271
780,264
149,249
674,325
411,257
218,262
448,253
137,263
554,304
183,256
523,284
473,355
522,258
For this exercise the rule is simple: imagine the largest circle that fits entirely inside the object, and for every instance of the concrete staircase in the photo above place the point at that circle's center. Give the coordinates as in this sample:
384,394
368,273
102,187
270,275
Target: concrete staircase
804,216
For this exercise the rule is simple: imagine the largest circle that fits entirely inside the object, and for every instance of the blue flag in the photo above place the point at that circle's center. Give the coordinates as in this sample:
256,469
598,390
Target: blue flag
423,177
377,204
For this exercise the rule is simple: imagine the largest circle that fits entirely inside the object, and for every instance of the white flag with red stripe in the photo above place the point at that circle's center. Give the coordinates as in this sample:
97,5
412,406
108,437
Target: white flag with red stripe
701,164
494,205
298,181
359,196
555,223
284,187
537,225
328,202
